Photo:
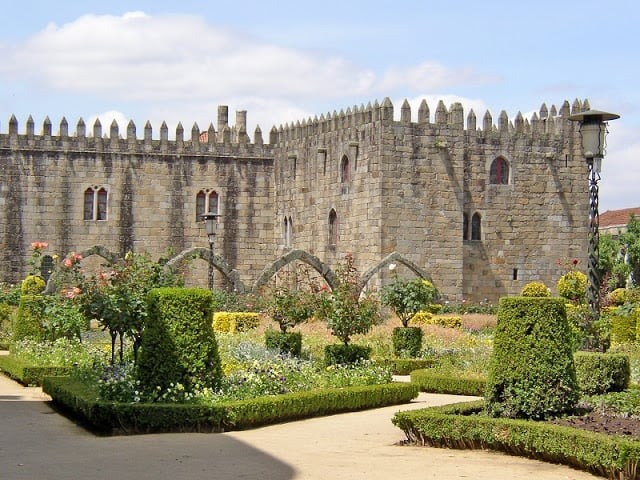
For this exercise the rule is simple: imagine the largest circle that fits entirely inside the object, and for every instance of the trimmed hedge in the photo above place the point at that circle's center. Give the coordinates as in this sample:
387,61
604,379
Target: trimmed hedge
341,354
288,343
433,382
26,373
600,373
532,372
28,320
407,341
79,401
404,366
463,426
232,322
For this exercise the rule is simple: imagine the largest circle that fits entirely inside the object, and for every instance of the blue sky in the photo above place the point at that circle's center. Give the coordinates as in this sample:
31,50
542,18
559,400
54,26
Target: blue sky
285,61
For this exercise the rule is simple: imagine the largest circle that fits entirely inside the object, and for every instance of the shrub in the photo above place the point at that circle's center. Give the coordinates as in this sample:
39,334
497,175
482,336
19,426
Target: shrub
431,381
573,286
342,354
599,373
29,317
32,285
284,342
427,318
532,372
407,341
422,318
624,324
232,322
618,296
288,307
535,289
6,318
179,345
406,298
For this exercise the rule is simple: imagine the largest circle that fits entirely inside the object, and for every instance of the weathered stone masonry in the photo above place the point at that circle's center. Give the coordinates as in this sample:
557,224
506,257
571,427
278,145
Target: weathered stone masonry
355,181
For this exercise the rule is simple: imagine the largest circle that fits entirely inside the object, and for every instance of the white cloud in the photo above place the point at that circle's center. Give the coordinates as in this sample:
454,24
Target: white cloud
431,76
620,170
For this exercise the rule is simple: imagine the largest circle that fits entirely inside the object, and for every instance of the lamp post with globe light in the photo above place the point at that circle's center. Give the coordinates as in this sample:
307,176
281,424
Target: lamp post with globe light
211,226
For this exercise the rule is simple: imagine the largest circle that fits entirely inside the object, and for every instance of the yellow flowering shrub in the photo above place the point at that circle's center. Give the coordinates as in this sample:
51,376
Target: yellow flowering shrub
232,322
535,289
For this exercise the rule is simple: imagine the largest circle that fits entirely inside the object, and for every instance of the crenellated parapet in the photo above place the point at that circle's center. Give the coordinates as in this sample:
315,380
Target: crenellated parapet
226,141
543,124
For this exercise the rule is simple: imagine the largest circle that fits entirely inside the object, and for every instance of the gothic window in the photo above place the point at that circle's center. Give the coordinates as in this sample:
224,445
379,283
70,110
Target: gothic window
88,204
287,231
499,173
207,201
102,204
95,203
476,227
290,233
465,226
333,228
345,170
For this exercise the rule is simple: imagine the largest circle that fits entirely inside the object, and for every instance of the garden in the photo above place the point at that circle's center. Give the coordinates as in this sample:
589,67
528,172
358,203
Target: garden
128,349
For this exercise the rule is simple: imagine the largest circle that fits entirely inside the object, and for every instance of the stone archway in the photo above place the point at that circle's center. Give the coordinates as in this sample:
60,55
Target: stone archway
231,275
394,257
98,250
300,255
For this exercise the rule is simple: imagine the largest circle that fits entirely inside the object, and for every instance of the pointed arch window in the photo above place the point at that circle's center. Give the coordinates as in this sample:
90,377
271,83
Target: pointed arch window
46,267
333,228
290,233
207,201
345,170
476,227
287,231
499,172
96,201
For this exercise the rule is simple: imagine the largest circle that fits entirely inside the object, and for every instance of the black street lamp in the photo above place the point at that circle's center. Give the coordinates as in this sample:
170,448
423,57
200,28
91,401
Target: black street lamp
211,225
593,130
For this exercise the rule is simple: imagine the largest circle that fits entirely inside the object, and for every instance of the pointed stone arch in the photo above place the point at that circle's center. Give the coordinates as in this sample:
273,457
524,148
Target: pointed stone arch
231,275
98,250
394,257
303,256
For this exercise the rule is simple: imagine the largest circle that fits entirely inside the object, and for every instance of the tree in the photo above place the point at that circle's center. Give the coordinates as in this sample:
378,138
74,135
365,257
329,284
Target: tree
345,310
289,307
408,297
611,264
630,242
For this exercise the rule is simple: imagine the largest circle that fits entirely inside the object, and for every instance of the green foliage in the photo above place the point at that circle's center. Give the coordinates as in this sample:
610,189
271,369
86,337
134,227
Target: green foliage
63,318
421,318
426,318
611,264
346,312
290,307
345,354
179,346
624,323
407,341
630,242
6,320
432,381
232,322
535,289
616,404
10,294
463,426
618,297
32,285
224,301
404,366
599,373
117,418
408,297
532,373
117,297
29,318
288,343
573,286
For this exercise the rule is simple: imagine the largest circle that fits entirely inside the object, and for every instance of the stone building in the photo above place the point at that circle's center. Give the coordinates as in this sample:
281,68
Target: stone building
481,209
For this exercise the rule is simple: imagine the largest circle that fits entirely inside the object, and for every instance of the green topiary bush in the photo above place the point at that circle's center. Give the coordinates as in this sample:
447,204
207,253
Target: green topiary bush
28,320
32,285
624,324
341,354
573,286
179,345
535,289
532,372
288,343
407,341
599,373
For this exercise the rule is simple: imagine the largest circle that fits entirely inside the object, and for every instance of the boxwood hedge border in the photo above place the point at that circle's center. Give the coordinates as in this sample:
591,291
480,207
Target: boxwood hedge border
78,401
28,374
462,426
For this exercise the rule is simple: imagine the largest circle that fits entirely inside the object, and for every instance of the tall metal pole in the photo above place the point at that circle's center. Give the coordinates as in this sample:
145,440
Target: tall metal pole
211,241
593,270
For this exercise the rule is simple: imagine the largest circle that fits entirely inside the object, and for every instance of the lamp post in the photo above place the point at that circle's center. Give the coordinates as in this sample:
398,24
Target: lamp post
211,225
593,130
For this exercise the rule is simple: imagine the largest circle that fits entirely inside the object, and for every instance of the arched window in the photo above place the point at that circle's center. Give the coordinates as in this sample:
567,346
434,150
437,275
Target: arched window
88,204
465,226
345,170
290,233
499,173
102,204
476,227
333,228
201,205
213,202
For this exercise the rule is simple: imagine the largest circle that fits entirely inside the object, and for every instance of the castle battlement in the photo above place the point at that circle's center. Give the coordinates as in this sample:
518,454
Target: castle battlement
547,122
227,141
